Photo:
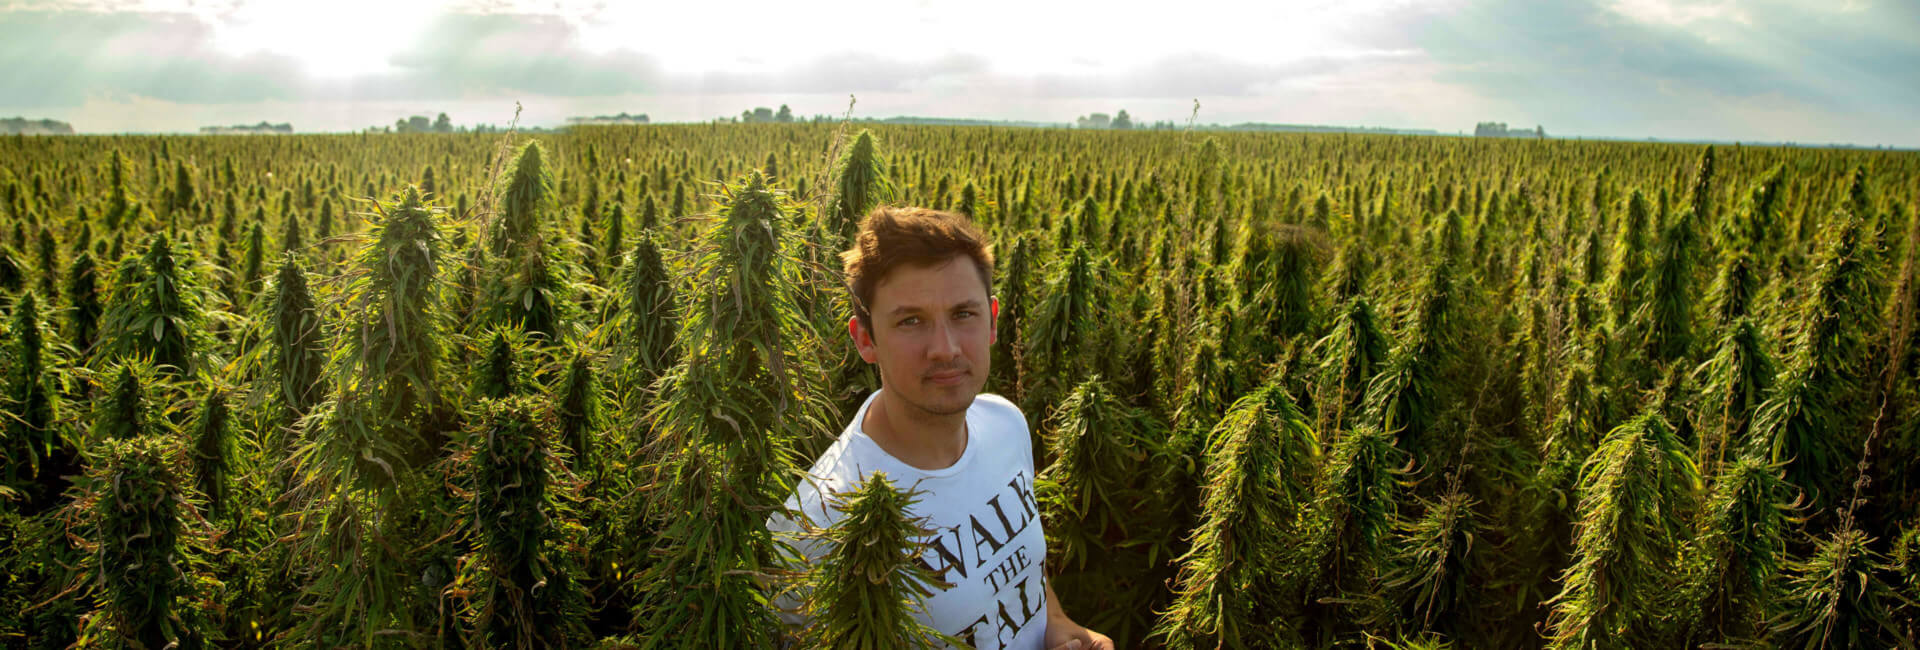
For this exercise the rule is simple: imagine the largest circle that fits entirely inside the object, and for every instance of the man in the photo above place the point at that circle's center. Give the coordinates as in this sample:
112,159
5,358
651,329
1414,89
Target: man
922,284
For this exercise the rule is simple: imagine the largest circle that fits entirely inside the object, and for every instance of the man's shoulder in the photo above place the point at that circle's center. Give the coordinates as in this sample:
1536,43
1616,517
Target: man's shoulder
1000,408
834,471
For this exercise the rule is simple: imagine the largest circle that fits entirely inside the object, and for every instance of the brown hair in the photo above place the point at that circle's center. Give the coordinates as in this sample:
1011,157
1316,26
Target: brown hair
894,236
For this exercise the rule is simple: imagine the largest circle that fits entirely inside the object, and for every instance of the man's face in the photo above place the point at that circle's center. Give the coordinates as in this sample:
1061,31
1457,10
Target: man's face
932,326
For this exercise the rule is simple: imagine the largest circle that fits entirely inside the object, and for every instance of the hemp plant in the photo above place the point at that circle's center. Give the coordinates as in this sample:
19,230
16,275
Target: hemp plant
860,183
213,451
1350,355
358,494
139,506
1632,496
1838,597
1730,568
527,593
1065,332
1809,420
1227,591
299,347
1665,314
30,409
643,331
156,311
1403,399
1103,547
865,591
1735,381
1347,527
723,428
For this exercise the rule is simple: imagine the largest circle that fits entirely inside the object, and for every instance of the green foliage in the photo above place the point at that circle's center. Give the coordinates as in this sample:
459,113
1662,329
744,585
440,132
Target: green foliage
1280,290
1064,332
83,297
647,321
1225,597
579,411
1632,494
860,184
497,377
527,595
358,498
299,345
390,370
527,196
1402,399
1348,527
30,408
213,450
1430,573
723,427
1730,567
1666,310
1350,355
530,292
864,592
256,253
1838,597
127,409
1810,421
139,507
1629,262
1735,381
1102,535
155,311
1009,345
1734,286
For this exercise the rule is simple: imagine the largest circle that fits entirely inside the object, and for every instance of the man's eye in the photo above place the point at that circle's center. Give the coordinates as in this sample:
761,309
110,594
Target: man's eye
963,314
910,321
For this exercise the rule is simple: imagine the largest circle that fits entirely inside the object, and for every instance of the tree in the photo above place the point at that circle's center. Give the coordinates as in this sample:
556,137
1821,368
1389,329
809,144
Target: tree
1094,121
442,124
785,114
1122,121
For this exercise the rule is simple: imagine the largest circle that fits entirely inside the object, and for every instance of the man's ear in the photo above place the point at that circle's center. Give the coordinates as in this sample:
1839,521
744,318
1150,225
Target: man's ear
862,340
993,324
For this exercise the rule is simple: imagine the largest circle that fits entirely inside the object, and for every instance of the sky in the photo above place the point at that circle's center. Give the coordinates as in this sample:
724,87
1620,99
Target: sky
1807,71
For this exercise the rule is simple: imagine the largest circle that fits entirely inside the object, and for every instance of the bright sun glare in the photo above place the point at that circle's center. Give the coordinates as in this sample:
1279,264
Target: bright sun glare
330,40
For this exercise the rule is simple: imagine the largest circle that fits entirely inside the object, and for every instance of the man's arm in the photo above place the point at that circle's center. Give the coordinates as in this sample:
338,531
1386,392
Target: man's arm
1064,634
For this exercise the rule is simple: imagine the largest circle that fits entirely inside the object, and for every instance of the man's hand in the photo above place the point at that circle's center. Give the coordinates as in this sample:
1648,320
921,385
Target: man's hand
1064,634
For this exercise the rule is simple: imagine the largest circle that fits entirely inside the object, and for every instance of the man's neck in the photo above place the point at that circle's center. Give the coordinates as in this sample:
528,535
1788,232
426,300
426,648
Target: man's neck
923,440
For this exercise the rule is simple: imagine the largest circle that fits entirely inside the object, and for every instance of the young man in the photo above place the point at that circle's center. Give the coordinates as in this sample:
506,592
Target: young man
924,313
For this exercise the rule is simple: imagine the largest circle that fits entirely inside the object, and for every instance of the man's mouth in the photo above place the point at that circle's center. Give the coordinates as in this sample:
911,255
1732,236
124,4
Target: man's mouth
947,378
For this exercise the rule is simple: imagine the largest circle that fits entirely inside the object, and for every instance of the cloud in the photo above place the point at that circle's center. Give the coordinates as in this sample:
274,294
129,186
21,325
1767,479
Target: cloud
61,58
1733,69
1685,69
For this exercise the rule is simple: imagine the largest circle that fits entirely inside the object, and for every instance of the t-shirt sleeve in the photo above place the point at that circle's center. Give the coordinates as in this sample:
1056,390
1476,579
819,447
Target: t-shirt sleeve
807,513
1011,419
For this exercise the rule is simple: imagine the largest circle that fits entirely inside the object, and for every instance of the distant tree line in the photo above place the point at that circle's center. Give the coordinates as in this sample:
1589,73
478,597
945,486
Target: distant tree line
1500,130
23,125
241,129
622,118
1119,120
764,115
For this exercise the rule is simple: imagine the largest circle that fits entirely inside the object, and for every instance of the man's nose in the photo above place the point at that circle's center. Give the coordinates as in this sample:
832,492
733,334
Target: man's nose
946,342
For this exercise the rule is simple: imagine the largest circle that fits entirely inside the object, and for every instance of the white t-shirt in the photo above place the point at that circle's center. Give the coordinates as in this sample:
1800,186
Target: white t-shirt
987,539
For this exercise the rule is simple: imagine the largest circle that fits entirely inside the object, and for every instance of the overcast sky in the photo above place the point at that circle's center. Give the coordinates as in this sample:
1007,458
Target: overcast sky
1812,71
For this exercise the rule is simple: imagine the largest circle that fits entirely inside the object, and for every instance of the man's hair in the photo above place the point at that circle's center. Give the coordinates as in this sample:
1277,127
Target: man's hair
891,237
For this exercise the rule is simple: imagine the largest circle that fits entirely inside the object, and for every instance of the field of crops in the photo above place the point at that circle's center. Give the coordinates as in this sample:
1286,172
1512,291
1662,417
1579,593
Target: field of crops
448,390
